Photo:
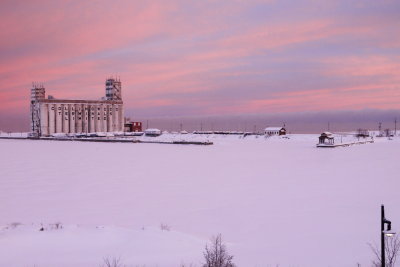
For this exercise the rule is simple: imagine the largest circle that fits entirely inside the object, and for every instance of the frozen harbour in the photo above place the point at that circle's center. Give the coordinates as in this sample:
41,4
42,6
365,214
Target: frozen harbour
275,201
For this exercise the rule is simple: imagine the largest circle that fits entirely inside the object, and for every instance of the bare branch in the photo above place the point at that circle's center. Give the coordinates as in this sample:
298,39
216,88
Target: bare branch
392,251
113,262
217,256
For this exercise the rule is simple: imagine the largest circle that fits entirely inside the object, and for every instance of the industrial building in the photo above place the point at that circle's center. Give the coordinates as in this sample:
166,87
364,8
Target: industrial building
60,116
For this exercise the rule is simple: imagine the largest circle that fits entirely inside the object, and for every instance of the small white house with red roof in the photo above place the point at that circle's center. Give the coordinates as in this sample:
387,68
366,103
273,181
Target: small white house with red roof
275,131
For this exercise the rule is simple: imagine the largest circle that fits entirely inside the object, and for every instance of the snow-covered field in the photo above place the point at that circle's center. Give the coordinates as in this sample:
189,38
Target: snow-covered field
275,201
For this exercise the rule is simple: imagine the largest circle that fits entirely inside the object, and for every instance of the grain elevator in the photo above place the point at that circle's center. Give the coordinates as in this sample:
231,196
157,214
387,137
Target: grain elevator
52,116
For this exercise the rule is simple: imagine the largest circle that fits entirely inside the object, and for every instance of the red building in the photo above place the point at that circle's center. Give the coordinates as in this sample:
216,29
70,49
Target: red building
135,126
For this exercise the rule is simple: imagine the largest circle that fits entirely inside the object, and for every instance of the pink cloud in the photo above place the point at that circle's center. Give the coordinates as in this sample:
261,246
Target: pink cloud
186,48
373,65
379,96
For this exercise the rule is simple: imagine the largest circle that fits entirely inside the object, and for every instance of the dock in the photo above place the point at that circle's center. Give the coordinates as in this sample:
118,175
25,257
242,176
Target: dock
345,144
110,140
204,143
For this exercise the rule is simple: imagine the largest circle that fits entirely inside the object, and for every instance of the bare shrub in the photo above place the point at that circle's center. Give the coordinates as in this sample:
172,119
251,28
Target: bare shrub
392,251
56,226
14,225
165,227
113,262
216,255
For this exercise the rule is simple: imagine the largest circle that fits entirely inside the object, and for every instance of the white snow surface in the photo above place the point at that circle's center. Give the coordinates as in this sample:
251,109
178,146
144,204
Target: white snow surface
274,200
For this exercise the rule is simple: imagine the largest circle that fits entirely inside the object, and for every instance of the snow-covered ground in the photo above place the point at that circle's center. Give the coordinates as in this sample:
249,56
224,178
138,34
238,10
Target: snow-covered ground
274,200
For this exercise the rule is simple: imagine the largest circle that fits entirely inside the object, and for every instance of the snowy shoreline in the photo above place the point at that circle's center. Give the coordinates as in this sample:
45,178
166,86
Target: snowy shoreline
244,188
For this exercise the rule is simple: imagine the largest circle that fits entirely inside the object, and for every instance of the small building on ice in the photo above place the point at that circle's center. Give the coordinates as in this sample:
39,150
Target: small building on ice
133,126
275,131
152,132
326,138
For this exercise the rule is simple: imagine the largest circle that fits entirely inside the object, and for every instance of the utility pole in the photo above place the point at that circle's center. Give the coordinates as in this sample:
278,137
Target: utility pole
201,126
147,124
388,232
383,261
329,127
395,126
181,127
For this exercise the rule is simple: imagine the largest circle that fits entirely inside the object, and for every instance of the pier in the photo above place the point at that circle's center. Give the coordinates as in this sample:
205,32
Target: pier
345,144
110,140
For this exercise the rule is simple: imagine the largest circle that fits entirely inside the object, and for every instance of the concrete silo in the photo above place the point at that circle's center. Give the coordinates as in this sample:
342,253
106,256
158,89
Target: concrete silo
51,115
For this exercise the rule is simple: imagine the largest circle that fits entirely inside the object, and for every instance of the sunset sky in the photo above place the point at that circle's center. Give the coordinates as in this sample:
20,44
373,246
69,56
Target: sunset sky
204,58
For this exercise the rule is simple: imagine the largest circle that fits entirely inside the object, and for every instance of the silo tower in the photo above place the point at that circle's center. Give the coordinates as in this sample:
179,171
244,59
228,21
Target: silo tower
38,93
113,89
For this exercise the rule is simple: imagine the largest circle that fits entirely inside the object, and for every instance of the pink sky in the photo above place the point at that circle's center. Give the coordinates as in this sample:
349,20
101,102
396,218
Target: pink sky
204,58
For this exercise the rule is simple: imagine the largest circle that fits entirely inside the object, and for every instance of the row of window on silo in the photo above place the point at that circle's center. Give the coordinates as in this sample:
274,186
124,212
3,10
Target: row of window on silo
80,118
